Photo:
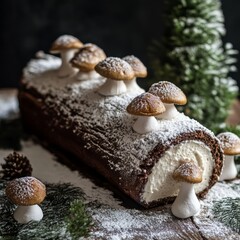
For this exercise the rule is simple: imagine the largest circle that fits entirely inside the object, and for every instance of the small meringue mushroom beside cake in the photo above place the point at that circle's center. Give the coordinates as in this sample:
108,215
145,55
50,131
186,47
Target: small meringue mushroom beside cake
26,193
230,144
186,203
66,46
115,70
140,71
145,106
86,59
170,95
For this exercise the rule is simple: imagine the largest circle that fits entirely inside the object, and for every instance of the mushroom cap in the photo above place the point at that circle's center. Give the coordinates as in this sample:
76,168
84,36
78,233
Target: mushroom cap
230,143
88,57
168,93
26,191
188,172
115,68
138,67
65,42
146,104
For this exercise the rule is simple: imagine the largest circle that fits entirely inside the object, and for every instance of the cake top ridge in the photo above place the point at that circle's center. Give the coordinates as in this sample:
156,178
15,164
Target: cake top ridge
67,95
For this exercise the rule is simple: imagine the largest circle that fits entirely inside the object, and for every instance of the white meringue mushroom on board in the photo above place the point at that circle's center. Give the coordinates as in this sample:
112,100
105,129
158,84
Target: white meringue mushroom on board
66,46
140,71
115,70
230,144
186,203
85,61
145,106
26,193
170,95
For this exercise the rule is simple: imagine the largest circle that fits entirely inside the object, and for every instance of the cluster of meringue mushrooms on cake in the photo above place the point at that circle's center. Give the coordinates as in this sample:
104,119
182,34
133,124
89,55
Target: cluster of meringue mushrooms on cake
149,107
82,59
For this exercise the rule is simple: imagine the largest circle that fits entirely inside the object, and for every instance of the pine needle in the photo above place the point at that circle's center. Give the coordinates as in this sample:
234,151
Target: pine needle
78,221
227,211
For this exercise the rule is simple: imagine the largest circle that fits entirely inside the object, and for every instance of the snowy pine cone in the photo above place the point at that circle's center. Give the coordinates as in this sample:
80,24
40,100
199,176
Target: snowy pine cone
16,166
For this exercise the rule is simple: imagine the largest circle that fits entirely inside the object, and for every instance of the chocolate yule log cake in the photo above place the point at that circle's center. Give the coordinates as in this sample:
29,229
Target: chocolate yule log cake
97,129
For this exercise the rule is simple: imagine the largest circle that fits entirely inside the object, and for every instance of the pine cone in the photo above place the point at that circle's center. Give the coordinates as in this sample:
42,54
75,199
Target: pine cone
16,166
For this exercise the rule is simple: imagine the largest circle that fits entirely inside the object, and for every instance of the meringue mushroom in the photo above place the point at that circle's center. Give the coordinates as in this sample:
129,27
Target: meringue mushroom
145,106
186,203
230,144
170,95
140,71
27,193
86,59
66,45
116,71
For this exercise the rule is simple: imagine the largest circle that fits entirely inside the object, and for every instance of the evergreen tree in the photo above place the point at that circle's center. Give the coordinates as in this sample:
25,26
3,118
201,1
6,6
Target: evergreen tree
192,56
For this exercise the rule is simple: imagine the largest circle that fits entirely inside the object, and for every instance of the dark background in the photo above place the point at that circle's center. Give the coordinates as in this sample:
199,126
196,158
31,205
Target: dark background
119,27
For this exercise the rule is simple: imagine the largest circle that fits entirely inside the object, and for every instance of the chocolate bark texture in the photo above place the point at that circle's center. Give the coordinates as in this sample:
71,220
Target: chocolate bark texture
98,130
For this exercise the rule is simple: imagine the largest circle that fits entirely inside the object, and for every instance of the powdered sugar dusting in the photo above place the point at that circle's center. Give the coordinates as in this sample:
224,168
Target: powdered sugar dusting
89,54
65,40
209,226
168,92
115,65
137,66
146,104
113,224
229,140
189,172
22,188
44,72
110,220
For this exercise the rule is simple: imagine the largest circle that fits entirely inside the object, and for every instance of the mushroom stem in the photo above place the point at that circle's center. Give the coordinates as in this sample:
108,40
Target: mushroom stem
229,170
66,68
112,87
87,75
145,124
25,214
170,113
132,86
186,203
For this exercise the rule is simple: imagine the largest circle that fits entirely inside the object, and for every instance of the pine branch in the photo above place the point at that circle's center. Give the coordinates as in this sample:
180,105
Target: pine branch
227,211
192,56
78,221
